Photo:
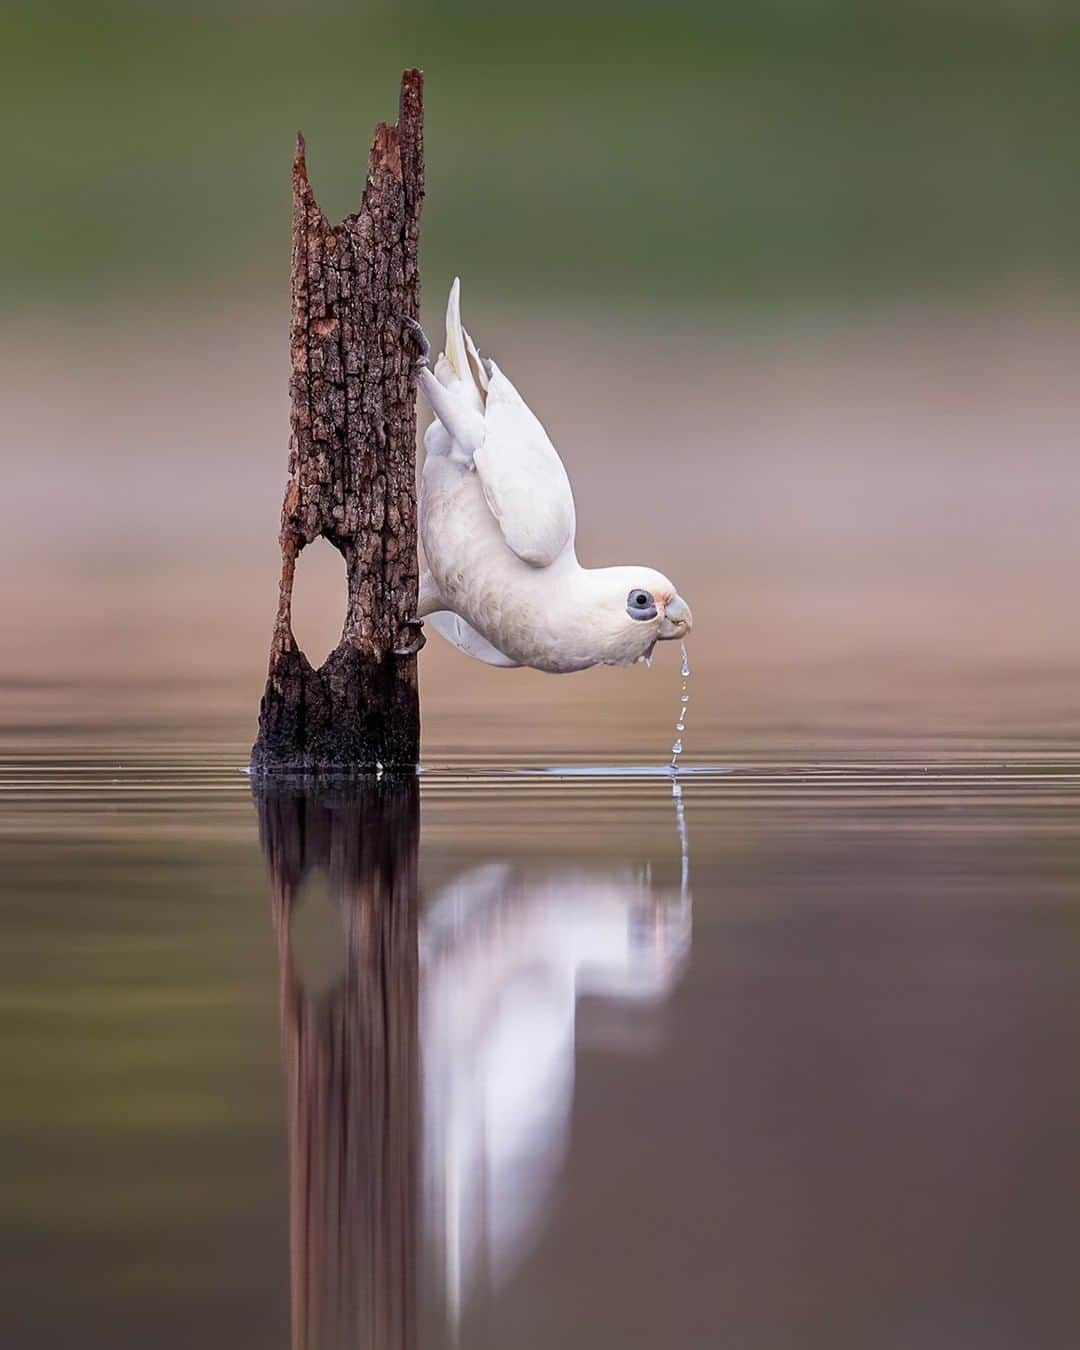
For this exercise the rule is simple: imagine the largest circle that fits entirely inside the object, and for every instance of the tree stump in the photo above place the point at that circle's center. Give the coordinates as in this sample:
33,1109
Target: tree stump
352,466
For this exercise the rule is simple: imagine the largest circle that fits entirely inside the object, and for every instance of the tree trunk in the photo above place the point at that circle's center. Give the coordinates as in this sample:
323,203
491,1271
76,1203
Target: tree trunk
352,466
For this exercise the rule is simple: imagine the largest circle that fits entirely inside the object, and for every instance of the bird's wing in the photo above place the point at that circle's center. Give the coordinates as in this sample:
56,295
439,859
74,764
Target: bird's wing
466,639
522,476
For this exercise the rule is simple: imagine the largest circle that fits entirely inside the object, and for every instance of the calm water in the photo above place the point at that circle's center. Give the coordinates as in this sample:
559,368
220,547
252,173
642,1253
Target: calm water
476,1061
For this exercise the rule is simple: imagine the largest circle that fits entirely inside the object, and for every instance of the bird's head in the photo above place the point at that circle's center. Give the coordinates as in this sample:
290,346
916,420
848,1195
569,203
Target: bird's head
634,609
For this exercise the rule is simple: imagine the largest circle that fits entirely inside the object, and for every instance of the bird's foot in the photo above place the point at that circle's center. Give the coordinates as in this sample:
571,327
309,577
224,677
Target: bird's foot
419,640
423,361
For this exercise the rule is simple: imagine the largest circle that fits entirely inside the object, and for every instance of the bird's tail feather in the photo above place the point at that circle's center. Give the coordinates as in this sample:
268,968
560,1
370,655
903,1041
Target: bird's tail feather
480,367
461,361
456,352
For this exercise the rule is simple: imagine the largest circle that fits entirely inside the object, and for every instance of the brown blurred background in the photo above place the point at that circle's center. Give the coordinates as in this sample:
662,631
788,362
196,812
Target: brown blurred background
794,289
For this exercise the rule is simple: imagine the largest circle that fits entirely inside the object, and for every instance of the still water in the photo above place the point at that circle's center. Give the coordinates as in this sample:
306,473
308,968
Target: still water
540,1055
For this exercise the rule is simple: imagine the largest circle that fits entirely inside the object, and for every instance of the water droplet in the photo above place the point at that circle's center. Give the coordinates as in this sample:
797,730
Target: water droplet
680,725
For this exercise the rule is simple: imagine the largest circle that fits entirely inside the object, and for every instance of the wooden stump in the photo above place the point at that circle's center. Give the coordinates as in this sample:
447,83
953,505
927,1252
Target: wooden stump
352,466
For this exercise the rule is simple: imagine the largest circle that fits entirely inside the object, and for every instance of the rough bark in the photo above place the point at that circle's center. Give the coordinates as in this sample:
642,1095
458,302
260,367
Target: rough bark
352,465
352,1062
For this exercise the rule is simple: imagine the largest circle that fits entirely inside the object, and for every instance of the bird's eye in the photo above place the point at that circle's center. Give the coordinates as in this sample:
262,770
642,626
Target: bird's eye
641,605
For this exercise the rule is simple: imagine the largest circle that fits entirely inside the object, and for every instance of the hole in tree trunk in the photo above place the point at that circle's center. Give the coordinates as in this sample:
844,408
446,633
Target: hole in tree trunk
319,599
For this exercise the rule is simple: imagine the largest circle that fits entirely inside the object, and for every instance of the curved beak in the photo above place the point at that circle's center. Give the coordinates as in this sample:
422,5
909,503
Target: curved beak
677,620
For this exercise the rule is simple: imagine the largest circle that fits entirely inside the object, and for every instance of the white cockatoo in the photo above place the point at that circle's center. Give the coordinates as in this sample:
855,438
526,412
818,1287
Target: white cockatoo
503,582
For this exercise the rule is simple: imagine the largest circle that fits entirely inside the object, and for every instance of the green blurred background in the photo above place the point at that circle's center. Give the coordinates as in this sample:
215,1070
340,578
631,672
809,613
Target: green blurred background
792,285
779,152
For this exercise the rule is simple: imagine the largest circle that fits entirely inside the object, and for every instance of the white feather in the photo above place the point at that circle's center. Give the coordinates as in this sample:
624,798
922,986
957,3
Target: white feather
523,478
453,392
466,639
497,521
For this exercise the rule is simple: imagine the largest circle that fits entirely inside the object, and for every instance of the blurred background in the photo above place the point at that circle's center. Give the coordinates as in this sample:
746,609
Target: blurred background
793,285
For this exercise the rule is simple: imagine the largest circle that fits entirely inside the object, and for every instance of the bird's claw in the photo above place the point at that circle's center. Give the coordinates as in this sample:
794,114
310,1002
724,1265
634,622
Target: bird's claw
419,640
423,361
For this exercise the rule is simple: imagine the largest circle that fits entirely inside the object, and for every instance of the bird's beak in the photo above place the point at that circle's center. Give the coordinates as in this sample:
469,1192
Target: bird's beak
677,620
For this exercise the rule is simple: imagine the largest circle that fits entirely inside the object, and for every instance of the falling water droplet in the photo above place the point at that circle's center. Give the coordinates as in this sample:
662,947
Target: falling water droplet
680,725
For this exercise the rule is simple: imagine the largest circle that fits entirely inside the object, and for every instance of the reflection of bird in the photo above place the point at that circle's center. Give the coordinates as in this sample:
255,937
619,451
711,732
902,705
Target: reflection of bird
497,521
503,962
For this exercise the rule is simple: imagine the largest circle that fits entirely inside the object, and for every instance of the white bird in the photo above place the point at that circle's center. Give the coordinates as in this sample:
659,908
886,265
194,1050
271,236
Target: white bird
503,582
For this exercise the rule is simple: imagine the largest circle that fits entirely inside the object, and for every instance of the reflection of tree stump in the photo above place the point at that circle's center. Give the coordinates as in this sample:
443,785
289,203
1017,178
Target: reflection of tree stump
353,1065
352,465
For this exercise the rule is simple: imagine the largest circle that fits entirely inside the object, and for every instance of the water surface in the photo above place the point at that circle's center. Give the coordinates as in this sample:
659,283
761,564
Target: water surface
465,1061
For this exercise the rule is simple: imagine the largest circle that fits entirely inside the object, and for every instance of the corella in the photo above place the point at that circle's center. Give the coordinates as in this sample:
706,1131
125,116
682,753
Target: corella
502,581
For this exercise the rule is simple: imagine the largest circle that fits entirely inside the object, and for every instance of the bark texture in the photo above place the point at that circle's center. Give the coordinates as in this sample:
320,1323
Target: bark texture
352,465
352,1062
